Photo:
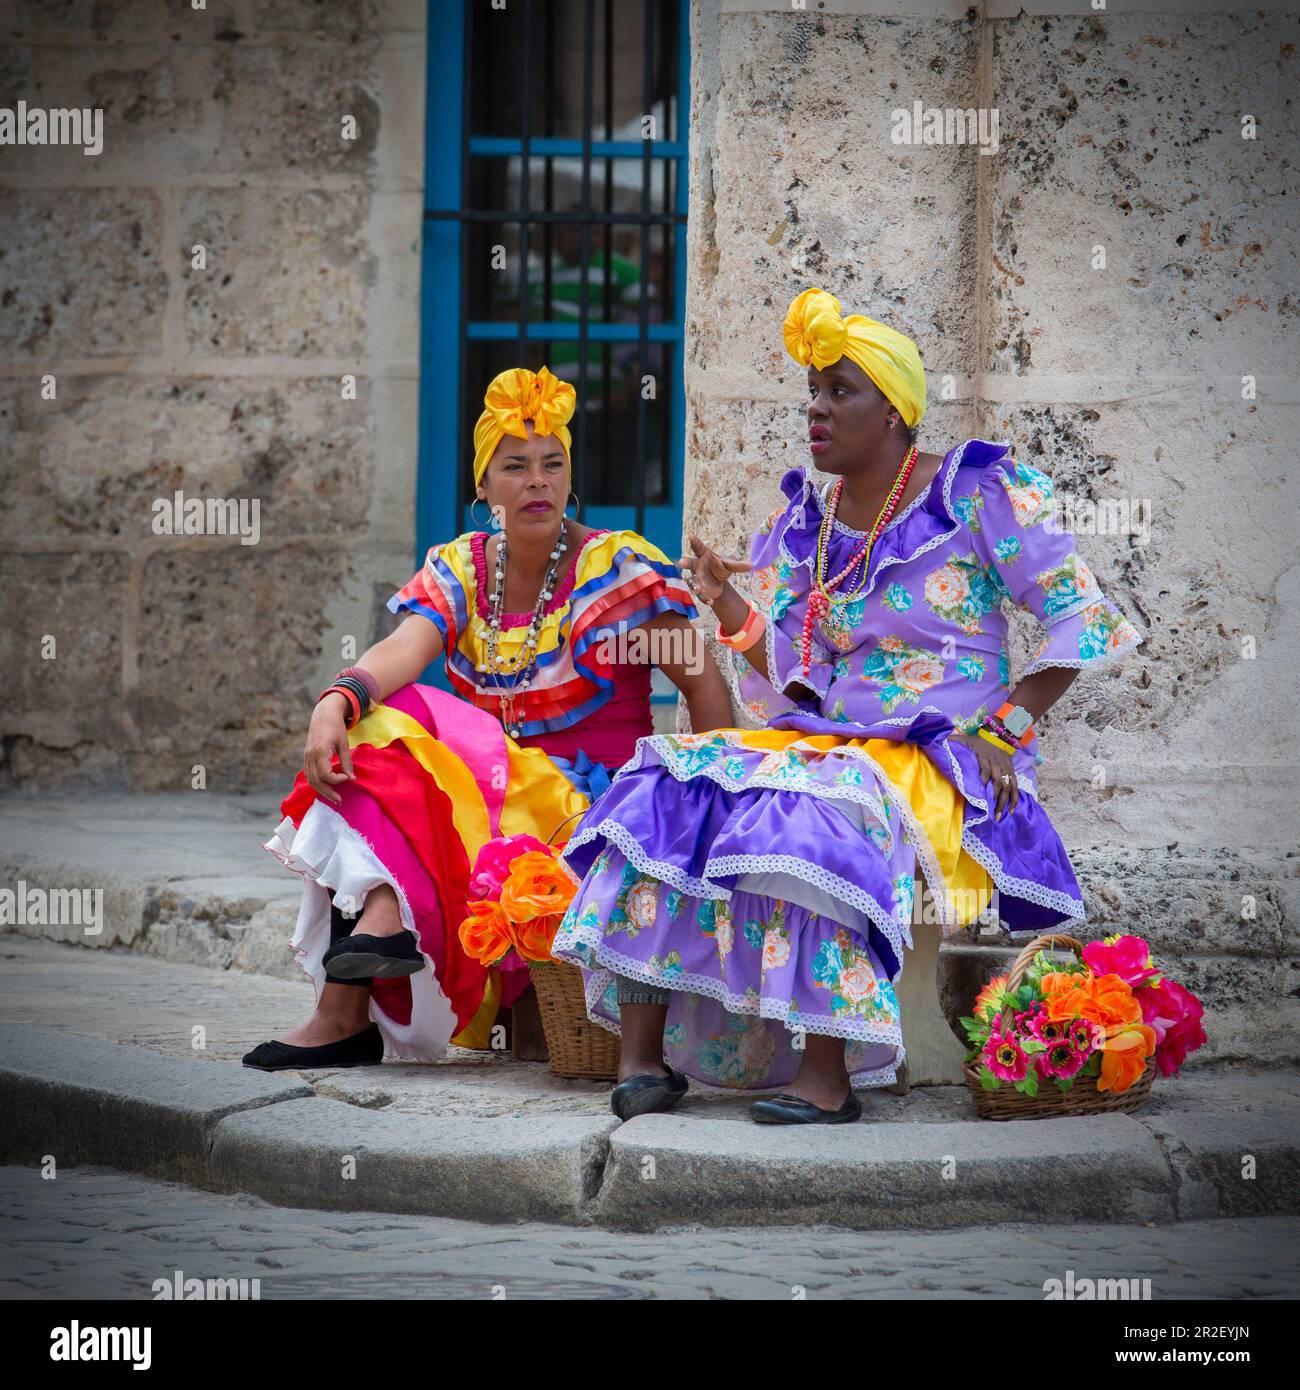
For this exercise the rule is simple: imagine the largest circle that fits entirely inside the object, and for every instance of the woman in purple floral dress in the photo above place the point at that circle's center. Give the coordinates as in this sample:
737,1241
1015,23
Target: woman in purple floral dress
749,892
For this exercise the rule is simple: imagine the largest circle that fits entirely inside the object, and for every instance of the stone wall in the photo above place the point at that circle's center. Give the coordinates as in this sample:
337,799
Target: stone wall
223,128
1171,776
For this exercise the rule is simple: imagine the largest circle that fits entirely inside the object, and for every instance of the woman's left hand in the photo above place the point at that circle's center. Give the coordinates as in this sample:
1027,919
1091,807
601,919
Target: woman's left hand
997,769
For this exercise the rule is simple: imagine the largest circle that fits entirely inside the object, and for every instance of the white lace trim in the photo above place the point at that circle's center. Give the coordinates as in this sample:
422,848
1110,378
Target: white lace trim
818,877
1025,888
346,903
860,795
1085,662
617,833
687,982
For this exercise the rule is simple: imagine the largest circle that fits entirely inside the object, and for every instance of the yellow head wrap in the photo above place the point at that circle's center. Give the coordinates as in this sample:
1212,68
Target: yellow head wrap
515,396
817,334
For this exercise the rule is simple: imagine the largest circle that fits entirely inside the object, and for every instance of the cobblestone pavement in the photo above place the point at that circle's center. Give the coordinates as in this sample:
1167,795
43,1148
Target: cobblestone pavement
97,1234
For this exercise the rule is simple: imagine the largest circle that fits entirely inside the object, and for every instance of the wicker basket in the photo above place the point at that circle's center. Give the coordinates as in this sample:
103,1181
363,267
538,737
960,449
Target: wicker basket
578,1047
1051,1102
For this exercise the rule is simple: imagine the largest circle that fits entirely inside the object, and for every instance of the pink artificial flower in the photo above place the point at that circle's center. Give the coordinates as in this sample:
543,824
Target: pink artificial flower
1061,1059
1048,1031
492,864
1175,1015
1129,957
1005,1058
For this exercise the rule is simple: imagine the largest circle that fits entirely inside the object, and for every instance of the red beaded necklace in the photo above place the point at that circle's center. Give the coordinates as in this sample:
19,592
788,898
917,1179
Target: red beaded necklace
819,599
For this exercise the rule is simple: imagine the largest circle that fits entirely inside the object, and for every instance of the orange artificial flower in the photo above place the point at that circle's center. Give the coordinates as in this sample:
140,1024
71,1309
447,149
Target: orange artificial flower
534,937
1124,1057
988,995
485,933
1104,1000
537,886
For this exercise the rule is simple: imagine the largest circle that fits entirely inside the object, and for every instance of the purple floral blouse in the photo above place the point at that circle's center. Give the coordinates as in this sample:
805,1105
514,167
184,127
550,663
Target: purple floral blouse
921,651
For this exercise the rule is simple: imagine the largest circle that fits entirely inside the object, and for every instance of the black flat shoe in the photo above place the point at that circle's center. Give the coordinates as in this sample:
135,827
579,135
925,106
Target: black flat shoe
786,1109
361,957
646,1094
364,1049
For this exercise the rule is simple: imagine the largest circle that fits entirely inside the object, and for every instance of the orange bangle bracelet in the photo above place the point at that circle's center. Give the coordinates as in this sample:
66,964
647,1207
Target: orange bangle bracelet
349,696
747,635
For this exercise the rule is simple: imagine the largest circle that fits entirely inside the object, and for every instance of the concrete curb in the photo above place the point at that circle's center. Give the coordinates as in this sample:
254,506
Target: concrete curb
224,1127
85,1101
675,1169
544,1168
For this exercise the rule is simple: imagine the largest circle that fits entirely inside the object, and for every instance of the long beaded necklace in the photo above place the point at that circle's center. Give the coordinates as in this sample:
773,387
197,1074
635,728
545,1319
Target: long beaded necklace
527,660
820,598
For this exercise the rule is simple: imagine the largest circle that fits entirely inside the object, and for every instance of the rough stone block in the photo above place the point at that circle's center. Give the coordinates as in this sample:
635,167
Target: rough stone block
1231,1165
282,107
808,187
287,274
58,706
293,444
81,275
159,122
1129,137
239,704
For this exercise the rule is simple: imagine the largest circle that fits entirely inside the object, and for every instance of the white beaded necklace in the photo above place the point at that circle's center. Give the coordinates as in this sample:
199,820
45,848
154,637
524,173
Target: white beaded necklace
527,662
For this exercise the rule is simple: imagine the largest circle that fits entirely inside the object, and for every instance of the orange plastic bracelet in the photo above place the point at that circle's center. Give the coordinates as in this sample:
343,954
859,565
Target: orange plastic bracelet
747,635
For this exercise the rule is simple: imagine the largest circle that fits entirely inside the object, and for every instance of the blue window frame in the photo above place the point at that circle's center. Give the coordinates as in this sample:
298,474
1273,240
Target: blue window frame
558,312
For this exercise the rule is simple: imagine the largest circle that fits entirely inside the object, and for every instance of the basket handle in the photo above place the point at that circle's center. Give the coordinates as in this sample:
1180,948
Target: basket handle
1019,968
565,822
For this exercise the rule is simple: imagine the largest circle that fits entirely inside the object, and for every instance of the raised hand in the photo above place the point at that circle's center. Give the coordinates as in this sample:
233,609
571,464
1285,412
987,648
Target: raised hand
707,572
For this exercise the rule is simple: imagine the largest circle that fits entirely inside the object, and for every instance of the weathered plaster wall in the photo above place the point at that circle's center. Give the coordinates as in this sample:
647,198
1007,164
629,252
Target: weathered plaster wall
1171,776
223,127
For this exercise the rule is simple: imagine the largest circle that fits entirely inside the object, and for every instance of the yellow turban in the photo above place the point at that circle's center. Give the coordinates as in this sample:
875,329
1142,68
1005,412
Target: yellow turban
515,396
816,333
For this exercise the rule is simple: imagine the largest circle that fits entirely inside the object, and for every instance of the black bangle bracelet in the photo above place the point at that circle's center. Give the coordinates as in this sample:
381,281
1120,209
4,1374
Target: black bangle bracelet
359,690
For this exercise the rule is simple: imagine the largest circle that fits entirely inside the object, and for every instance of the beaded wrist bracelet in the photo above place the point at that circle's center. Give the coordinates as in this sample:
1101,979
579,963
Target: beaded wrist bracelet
988,737
995,726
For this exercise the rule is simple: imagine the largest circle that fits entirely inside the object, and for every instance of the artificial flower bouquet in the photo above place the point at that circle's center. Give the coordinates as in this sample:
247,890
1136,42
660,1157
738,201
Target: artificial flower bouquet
524,889
1107,1020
